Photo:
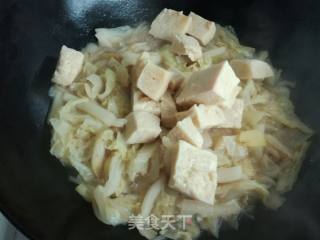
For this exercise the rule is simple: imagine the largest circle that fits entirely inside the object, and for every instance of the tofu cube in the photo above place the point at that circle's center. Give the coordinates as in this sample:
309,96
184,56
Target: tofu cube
201,28
209,86
168,23
194,172
142,127
204,116
229,103
207,139
251,69
186,45
141,102
153,81
185,130
168,111
233,115
68,67
137,69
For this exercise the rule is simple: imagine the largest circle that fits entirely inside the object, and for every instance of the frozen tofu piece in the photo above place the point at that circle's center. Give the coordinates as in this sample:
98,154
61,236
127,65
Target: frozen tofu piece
194,172
137,69
233,115
207,116
141,102
142,127
229,103
153,81
209,86
204,116
251,69
201,28
186,45
207,138
168,23
187,131
168,111
68,67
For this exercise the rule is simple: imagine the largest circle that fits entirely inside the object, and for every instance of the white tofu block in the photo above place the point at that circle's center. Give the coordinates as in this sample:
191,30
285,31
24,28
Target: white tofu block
143,59
233,115
168,23
209,86
186,45
207,139
68,67
201,28
168,111
229,103
204,116
137,69
207,116
185,130
194,172
142,127
251,69
141,102
153,81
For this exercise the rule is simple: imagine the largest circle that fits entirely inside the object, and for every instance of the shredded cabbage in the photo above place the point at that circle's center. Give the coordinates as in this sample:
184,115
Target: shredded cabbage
231,174
102,114
151,196
113,211
114,175
139,165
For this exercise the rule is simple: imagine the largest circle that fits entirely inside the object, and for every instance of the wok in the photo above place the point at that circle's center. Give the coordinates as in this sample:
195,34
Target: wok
35,192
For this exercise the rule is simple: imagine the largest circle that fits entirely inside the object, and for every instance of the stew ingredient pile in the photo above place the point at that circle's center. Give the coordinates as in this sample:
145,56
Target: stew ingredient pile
176,119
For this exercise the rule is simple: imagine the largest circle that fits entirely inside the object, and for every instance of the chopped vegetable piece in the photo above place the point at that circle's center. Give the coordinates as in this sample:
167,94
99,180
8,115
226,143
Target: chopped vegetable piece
231,174
252,138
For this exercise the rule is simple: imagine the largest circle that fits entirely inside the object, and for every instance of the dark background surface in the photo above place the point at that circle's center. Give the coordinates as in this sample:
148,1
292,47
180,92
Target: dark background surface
35,193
